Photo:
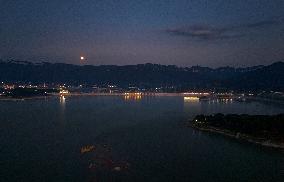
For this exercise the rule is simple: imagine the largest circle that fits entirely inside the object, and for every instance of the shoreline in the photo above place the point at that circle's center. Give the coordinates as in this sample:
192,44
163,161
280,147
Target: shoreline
26,98
265,100
146,94
239,136
123,94
4,98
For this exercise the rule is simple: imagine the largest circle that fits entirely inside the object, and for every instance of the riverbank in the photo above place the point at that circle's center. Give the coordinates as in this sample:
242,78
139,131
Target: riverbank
240,136
263,139
25,98
3,98
266,100
128,93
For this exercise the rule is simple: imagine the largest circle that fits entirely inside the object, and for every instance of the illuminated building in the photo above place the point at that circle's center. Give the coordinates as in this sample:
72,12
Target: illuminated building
63,92
190,99
132,95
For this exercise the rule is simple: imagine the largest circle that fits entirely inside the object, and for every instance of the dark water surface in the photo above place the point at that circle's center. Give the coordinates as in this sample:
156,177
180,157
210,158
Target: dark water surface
41,141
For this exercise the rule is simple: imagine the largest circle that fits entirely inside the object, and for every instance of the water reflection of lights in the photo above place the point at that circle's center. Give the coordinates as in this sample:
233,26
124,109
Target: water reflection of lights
226,100
62,99
190,99
223,101
127,97
62,110
133,96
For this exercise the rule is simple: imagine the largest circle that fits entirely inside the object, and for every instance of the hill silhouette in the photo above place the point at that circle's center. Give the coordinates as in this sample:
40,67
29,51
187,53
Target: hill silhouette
148,75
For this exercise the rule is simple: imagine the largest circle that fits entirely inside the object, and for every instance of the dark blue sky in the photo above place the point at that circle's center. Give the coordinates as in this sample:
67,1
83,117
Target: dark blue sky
182,32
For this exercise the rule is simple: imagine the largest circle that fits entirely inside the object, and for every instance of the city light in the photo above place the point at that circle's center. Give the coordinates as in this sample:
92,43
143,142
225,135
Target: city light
190,99
63,92
132,95
196,93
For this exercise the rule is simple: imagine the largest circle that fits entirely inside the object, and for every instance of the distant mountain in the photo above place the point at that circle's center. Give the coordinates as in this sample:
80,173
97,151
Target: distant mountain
269,77
148,75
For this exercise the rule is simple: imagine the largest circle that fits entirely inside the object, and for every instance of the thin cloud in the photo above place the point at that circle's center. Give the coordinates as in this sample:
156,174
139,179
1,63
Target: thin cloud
203,32
207,32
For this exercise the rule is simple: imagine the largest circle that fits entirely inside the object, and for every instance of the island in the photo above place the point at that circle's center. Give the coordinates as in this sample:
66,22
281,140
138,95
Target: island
265,130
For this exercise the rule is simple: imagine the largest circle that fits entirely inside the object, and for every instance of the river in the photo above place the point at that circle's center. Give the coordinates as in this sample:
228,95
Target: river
134,139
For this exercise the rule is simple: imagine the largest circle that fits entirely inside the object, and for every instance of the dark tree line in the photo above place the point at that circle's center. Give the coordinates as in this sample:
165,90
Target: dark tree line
30,92
262,126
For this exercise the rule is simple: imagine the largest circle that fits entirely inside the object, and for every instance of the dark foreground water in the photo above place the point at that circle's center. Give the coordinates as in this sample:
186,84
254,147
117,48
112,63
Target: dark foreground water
40,140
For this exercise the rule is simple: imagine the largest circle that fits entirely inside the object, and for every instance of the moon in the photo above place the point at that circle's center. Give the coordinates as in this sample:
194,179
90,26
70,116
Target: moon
82,58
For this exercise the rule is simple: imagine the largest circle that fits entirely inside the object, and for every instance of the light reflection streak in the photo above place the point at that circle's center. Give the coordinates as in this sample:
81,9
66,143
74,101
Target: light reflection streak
62,101
133,96
190,99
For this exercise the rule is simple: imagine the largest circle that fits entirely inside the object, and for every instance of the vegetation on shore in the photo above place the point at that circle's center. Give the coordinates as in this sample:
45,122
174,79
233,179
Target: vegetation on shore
261,129
29,92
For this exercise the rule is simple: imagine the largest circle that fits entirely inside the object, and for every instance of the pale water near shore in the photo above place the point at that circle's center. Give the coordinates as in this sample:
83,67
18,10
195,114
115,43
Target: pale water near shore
41,139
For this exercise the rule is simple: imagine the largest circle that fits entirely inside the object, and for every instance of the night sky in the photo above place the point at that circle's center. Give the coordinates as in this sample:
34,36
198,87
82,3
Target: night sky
181,32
